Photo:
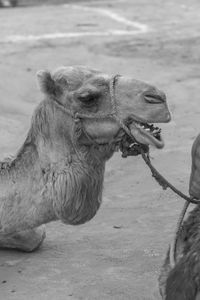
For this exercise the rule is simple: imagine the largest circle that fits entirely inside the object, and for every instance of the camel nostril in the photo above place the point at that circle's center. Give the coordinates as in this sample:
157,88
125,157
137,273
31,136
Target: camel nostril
154,98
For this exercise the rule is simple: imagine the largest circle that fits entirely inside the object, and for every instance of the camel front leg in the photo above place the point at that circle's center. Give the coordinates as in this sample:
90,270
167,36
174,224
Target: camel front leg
27,240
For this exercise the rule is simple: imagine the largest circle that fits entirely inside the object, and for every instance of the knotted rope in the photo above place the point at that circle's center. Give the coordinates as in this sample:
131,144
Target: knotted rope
166,184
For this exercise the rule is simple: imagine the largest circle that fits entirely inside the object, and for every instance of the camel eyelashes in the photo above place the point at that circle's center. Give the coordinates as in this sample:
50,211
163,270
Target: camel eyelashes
88,98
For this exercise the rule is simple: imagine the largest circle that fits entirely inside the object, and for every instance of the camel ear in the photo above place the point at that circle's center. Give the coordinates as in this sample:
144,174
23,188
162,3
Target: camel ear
46,83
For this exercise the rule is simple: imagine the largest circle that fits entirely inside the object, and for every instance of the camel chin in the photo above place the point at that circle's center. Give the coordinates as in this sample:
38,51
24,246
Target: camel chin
147,134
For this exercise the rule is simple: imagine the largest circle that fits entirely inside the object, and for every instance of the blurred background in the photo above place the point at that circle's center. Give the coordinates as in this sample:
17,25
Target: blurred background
117,255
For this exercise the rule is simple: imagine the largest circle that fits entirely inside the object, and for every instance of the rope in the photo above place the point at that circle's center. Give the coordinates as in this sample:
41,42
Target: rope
165,184
173,246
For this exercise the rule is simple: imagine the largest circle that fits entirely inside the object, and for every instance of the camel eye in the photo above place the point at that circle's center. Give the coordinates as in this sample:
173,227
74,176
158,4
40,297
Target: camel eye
88,99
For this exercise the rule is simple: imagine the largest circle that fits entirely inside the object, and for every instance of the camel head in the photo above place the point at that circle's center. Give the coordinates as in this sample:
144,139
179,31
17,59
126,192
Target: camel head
87,99
58,172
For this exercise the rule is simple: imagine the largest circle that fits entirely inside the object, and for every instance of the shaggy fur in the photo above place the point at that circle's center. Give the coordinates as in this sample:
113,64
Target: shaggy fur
58,172
183,281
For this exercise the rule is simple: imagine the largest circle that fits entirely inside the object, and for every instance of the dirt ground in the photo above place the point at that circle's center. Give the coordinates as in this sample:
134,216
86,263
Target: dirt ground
117,255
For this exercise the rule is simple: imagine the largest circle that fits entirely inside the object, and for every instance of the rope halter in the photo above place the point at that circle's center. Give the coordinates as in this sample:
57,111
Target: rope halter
113,114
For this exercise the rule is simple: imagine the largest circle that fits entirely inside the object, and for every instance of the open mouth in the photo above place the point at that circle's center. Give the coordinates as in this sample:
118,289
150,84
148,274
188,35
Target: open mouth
147,134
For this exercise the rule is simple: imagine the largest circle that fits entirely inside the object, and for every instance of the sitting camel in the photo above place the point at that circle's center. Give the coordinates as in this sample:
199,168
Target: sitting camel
58,173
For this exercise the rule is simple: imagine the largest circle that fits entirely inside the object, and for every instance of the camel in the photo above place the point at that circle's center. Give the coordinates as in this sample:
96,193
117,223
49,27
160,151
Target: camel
180,277
58,172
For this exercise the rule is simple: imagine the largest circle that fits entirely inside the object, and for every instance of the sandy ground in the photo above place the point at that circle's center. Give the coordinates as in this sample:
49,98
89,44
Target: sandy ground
118,254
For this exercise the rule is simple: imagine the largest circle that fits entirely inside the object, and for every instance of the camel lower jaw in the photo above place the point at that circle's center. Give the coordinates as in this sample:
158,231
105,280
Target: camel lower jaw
103,146
143,133
109,140
147,134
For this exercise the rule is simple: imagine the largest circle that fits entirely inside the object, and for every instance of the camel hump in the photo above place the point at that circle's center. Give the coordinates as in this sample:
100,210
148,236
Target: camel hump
194,186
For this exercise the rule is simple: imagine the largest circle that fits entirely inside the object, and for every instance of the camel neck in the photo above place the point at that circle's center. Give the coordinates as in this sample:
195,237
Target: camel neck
17,168
21,183
37,189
